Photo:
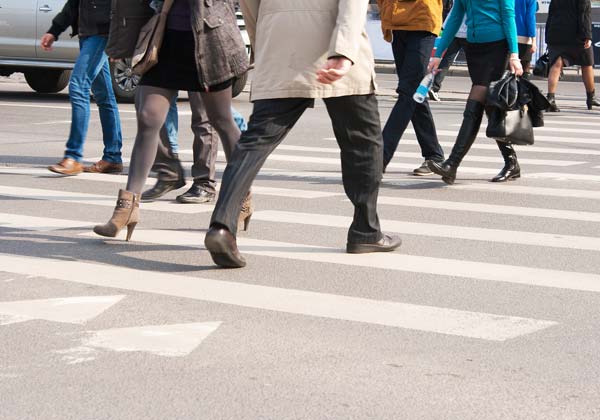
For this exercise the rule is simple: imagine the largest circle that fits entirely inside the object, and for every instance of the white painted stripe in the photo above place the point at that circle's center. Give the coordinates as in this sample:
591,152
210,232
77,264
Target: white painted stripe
560,177
538,138
40,224
512,189
388,261
584,122
418,156
32,105
461,206
394,314
73,310
122,179
549,129
177,340
551,240
97,200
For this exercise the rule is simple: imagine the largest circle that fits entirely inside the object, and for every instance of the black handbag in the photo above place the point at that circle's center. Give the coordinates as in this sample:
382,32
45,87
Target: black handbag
512,126
542,66
503,93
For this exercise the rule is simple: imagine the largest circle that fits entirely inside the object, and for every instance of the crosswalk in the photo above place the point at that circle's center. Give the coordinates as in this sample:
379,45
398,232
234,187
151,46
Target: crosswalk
517,235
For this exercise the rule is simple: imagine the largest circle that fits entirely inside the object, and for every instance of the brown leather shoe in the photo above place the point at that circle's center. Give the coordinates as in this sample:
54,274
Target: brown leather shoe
104,167
67,166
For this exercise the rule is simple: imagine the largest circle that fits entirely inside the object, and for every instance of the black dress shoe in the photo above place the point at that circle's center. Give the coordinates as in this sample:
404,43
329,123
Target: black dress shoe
443,169
386,244
223,248
197,194
161,188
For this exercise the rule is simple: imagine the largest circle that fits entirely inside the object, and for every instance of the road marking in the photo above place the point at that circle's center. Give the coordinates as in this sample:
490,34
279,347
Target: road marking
538,138
559,176
491,208
552,240
39,224
32,105
96,200
510,189
122,179
72,310
472,158
393,314
521,150
177,340
549,129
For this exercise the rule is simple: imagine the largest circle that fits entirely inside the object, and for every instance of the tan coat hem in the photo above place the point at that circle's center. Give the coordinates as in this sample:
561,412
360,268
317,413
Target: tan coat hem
285,93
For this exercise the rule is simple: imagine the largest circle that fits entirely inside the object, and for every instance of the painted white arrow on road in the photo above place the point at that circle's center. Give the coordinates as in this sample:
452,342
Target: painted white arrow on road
73,310
175,340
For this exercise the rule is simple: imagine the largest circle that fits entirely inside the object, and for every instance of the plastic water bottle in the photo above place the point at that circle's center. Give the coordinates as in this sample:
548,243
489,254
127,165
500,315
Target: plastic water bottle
423,88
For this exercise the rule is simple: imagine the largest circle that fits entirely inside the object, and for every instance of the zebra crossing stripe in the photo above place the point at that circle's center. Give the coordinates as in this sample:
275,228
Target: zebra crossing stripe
583,216
447,321
538,138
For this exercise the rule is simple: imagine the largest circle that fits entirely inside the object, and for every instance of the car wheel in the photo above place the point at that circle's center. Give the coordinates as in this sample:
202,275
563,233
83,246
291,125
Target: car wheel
123,80
47,81
239,84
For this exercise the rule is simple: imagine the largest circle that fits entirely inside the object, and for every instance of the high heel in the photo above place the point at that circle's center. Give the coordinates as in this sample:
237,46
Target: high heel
126,214
511,170
246,212
591,100
466,136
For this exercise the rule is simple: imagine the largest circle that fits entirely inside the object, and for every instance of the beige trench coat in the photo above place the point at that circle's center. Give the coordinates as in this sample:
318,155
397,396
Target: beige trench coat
294,39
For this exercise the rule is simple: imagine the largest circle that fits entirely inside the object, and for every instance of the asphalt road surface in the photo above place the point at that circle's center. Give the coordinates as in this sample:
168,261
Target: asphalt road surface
488,311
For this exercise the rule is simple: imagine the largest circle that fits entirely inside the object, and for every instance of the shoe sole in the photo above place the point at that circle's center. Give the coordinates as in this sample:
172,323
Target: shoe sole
422,174
367,249
221,254
194,200
64,173
154,197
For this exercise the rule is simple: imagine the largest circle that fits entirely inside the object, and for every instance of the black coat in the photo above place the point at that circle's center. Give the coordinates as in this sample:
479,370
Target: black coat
85,17
569,22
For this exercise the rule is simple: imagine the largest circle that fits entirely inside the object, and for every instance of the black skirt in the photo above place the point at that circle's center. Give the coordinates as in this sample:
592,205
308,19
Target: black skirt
572,55
176,68
486,61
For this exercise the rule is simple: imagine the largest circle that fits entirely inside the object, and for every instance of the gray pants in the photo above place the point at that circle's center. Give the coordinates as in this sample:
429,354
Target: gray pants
206,143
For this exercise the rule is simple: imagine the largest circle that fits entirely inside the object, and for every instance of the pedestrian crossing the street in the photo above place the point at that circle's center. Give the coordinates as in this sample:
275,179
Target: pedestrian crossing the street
542,232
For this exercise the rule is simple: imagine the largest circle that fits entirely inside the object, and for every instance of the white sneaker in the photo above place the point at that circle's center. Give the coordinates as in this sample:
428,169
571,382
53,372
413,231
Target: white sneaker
434,96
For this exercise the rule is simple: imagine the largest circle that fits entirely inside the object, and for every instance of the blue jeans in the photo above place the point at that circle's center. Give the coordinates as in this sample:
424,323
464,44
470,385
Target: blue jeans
172,125
92,72
411,50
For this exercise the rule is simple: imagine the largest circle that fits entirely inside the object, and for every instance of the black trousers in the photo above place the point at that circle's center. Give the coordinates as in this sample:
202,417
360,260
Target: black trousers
356,124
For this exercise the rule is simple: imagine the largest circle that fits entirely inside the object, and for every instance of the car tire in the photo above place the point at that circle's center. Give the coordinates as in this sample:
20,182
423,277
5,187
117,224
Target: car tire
47,81
239,84
124,82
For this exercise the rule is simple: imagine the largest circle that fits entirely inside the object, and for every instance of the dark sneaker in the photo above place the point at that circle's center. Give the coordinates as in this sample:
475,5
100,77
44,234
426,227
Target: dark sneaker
434,96
197,194
422,170
386,244
161,188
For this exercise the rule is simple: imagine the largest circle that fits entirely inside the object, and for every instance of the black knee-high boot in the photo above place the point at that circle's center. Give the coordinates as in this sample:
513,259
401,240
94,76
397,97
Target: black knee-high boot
466,136
511,168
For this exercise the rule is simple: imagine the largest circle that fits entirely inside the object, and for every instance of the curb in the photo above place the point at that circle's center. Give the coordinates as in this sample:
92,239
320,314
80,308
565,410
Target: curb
460,70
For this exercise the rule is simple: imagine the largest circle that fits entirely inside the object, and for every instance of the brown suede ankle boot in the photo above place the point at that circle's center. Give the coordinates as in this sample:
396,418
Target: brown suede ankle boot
246,212
127,213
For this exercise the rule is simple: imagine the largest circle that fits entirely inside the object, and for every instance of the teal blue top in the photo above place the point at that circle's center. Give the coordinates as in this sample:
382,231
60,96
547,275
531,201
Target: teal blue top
487,21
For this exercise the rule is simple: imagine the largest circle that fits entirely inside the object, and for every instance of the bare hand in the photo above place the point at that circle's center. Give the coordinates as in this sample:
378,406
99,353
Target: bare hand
515,65
47,41
334,70
434,63
588,44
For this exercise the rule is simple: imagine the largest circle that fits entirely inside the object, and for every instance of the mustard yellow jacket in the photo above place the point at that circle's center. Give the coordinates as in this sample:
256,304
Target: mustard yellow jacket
410,15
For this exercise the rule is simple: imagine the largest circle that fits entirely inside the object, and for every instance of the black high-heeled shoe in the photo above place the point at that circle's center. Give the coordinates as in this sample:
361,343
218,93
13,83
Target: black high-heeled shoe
591,100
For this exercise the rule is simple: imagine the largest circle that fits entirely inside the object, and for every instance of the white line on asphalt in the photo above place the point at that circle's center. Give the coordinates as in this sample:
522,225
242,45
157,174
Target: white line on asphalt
73,310
550,129
394,314
521,150
418,156
491,208
122,179
560,176
32,105
487,235
538,138
96,200
39,224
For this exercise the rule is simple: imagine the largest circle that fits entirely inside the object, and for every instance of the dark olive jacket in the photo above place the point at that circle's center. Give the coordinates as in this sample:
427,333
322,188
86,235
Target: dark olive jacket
85,17
219,48
569,22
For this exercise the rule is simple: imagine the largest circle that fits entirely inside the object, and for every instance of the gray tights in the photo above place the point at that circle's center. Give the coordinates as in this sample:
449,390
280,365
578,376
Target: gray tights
152,106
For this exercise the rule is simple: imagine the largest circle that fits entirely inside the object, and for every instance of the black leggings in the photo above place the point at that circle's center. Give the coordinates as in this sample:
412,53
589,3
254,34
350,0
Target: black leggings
152,105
